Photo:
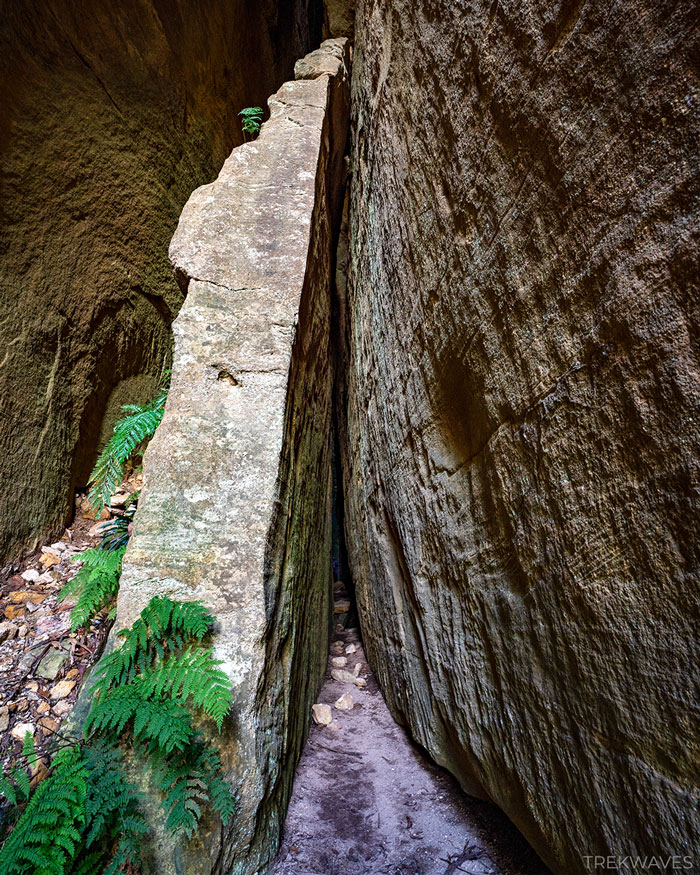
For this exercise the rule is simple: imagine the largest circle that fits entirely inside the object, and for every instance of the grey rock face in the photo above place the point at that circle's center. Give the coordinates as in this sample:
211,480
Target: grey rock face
521,454
235,510
112,114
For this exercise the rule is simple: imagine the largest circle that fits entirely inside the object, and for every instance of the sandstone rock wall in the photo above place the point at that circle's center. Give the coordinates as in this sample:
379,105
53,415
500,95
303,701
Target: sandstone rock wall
112,113
235,509
521,445
338,18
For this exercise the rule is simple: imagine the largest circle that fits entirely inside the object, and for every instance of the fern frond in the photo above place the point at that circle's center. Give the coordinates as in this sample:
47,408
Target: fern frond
187,784
130,432
163,625
89,863
193,675
251,118
95,584
47,835
29,749
15,785
166,724
7,789
115,533
23,782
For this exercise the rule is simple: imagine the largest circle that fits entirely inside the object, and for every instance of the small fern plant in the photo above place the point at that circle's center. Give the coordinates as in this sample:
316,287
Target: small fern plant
150,688
130,434
251,119
15,785
86,815
95,585
82,819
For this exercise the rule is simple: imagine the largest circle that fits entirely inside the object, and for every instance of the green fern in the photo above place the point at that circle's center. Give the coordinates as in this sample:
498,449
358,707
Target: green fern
130,433
115,533
111,810
15,785
149,686
188,784
95,584
164,626
85,815
191,676
48,835
166,724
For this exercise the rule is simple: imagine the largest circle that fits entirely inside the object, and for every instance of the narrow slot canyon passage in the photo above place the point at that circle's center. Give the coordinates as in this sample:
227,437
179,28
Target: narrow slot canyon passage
388,560
366,800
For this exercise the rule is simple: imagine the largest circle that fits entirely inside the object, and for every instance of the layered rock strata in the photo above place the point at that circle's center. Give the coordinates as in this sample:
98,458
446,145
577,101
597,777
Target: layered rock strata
521,446
235,510
112,113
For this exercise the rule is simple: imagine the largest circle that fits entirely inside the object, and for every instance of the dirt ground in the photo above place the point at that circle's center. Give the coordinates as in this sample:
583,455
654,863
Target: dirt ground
42,662
367,800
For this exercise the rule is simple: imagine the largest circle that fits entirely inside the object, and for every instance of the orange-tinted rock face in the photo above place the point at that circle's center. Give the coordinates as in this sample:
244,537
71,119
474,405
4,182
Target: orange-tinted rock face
111,115
522,387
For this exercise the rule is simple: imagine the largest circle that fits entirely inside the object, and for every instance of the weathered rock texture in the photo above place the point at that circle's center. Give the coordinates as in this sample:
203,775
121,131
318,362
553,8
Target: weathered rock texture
338,18
235,509
111,114
522,387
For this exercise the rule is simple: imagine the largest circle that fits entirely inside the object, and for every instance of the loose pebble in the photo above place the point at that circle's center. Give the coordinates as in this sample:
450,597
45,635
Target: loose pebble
62,690
346,677
322,714
19,730
60,709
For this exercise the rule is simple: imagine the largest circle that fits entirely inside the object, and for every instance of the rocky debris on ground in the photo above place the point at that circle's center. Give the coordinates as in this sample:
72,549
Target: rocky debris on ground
344,702
368,802
341,604
346,677
42,663
322,714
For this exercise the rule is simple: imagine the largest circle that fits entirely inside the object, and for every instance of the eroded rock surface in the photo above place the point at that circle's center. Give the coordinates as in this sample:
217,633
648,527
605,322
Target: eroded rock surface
112,113
235,510
522,387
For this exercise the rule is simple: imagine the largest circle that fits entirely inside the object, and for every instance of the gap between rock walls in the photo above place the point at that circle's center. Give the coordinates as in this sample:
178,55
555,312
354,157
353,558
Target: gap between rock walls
42,651
429,447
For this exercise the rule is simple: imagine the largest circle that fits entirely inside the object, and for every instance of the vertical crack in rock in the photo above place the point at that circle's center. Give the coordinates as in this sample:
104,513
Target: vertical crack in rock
235,510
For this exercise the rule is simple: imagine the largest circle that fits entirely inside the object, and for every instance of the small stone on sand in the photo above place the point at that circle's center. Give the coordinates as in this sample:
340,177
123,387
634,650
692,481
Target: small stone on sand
322,714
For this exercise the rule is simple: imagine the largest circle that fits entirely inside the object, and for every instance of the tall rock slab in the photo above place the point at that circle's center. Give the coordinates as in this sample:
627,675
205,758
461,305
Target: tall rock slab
521,446
112,113
235,510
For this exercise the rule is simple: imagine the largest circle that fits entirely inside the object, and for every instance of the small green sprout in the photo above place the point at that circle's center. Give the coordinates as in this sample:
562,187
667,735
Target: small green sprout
251,120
